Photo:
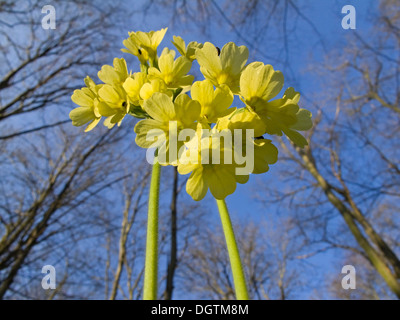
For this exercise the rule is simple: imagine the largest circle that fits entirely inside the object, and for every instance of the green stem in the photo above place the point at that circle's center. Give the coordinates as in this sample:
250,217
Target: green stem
151,264
236,265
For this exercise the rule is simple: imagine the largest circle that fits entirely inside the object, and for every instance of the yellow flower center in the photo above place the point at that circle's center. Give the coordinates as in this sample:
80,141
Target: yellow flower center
222,78
168,78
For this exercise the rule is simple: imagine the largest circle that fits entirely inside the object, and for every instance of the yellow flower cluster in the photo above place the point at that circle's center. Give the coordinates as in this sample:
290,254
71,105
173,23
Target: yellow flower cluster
192,125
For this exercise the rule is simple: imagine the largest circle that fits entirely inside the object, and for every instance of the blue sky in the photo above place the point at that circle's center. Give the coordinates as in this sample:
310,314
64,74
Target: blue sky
312,32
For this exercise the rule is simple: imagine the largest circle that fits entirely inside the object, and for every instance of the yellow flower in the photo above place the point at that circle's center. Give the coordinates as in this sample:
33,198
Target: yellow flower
139,88
224,68
144,44
134,48
220,174
88,111
242,119
133,85
220,178
265,153
235,161
258,84
214,104
172,72
186,51
114,104
284,115
155,85
218,145
167,118
114,75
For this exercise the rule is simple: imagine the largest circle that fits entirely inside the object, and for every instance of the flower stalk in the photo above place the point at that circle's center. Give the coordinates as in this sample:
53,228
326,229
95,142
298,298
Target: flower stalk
239,278
151,263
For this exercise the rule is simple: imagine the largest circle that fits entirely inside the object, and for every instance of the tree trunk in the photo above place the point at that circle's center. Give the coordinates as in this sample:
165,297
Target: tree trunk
173,250
377,258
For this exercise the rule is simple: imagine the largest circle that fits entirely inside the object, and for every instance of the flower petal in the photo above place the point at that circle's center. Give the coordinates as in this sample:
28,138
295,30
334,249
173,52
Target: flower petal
209,61
109,94
81,116
179,44
160,107
92,124
105,110
296,138
157,37
166,63
196,185
220,179
81,99
108,75
234,58
304,121
265,153
181,67
149,134
187,110
260,81
203,91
